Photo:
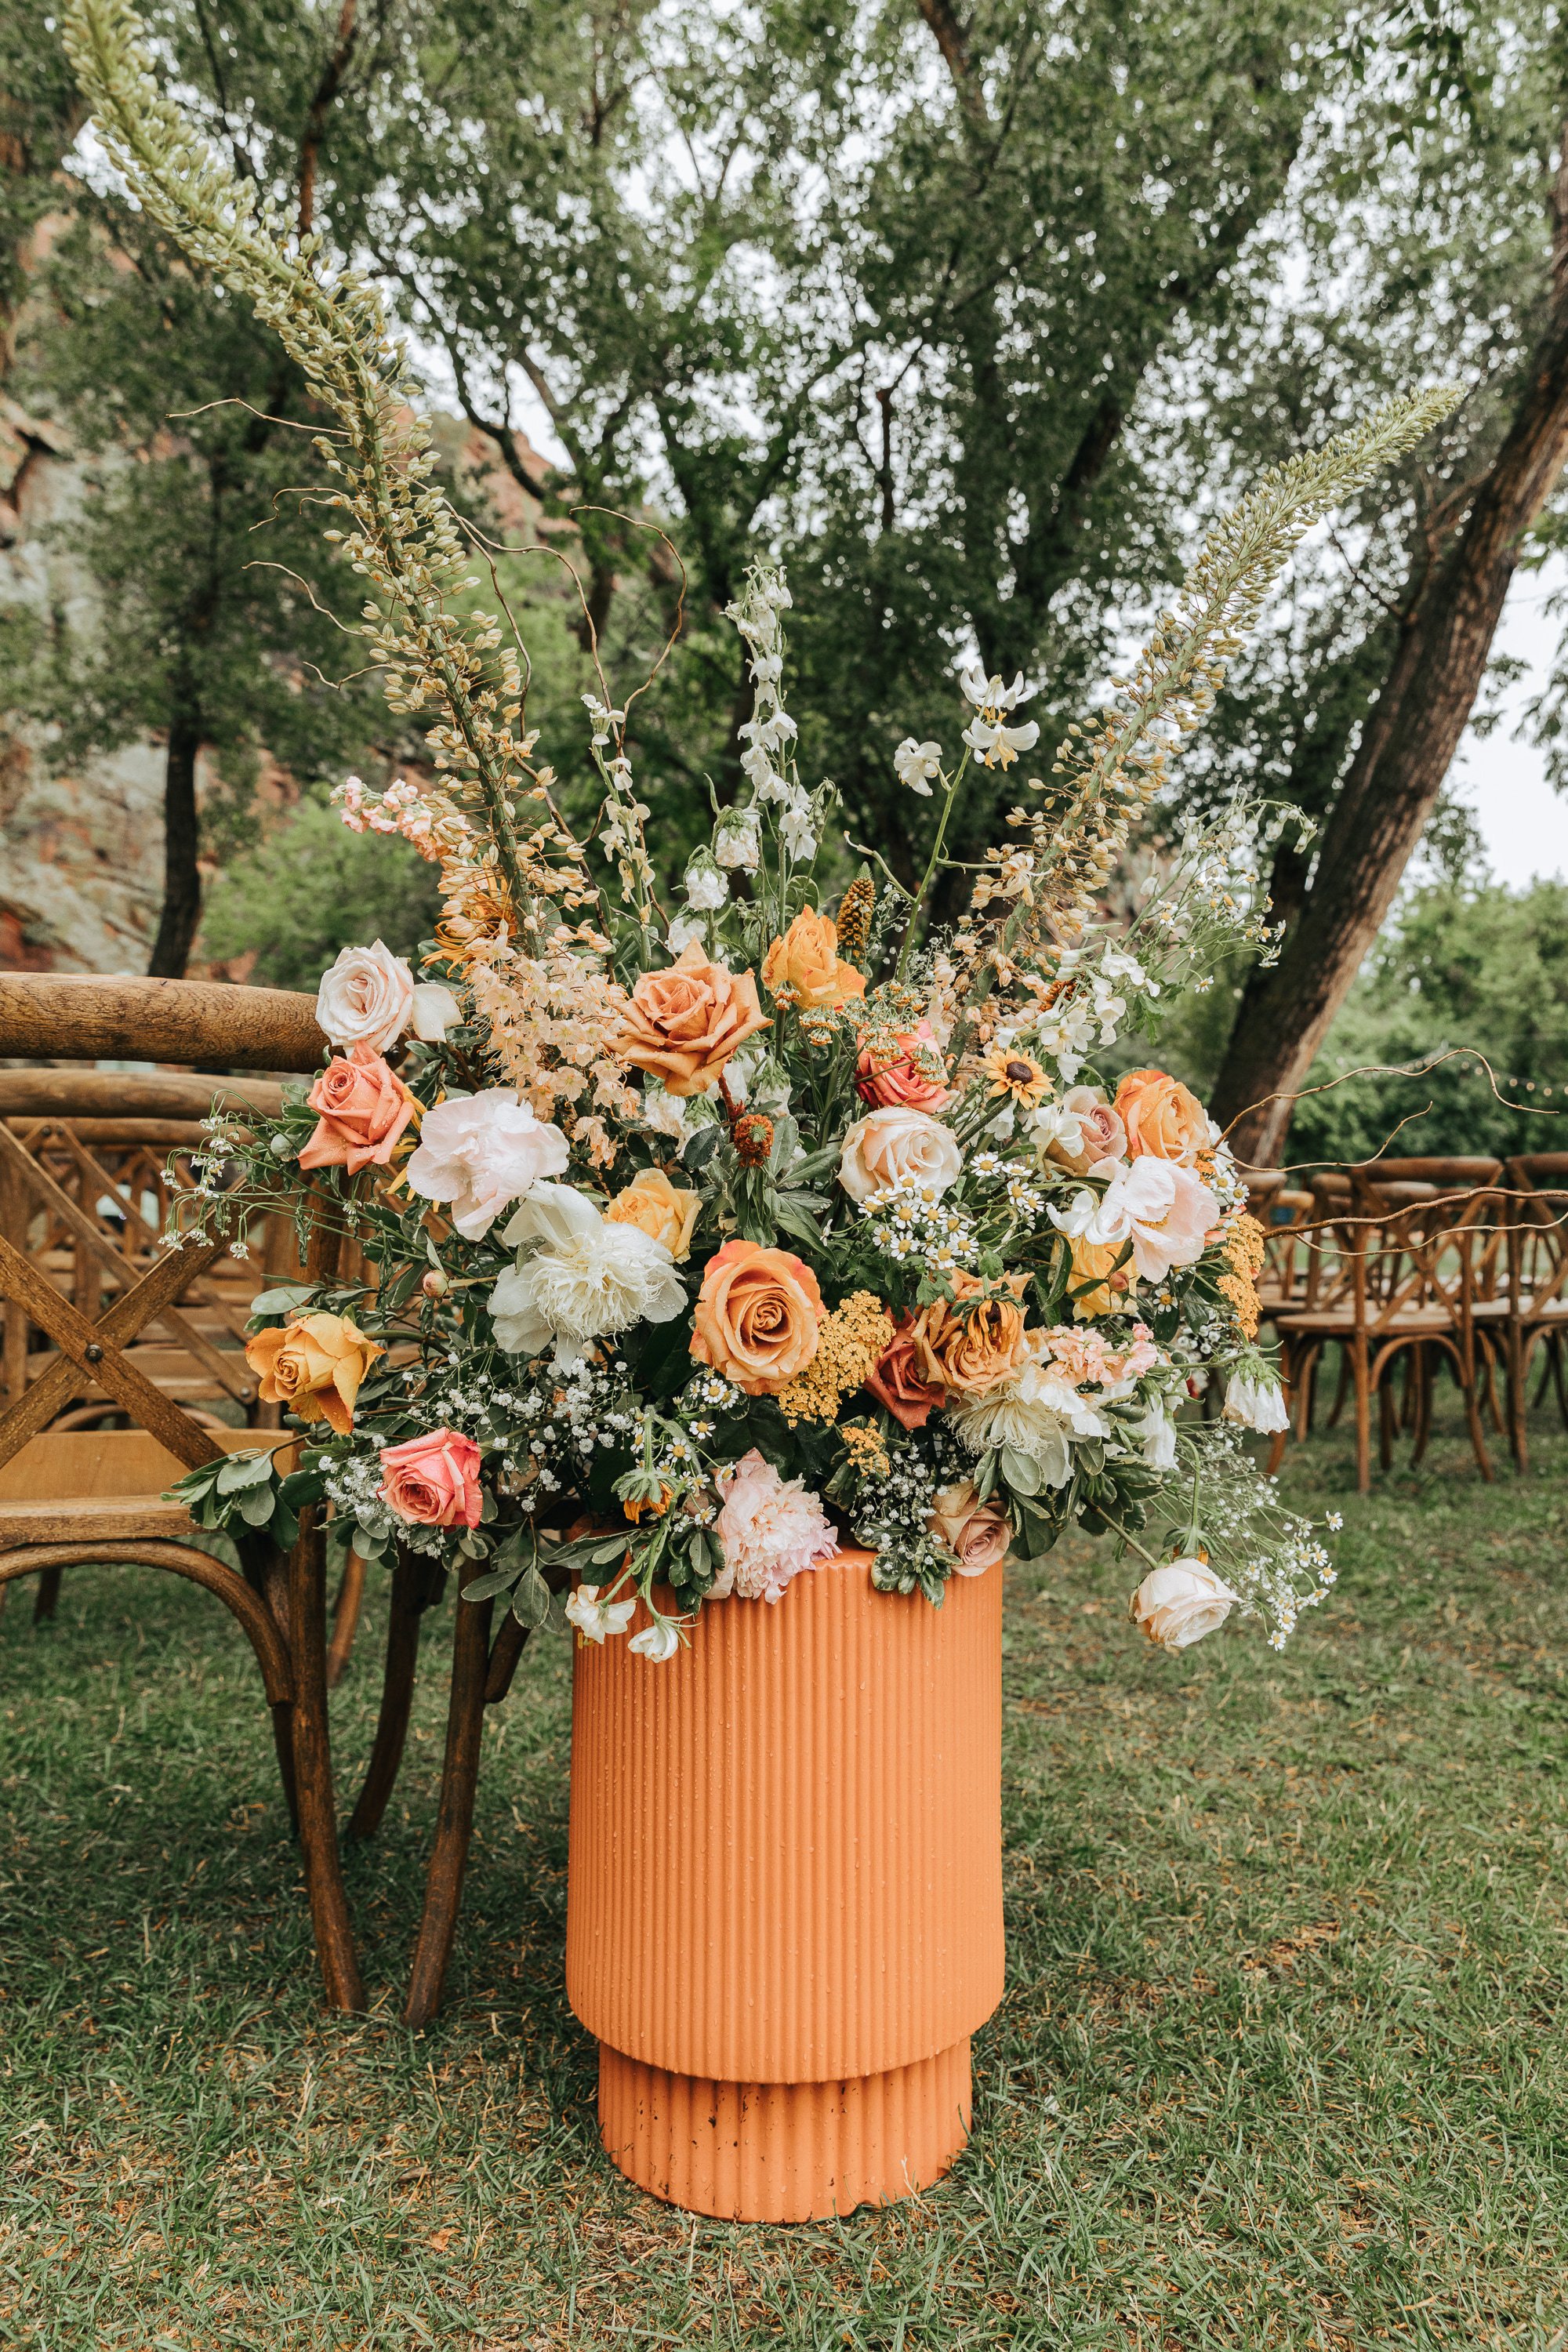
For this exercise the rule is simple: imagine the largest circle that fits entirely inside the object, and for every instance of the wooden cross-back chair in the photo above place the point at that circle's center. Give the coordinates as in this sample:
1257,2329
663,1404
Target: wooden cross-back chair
1538,1283
71,1495
1397,1270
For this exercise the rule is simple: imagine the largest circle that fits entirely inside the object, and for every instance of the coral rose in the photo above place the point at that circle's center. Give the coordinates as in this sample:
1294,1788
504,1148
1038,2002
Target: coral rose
893,1147
758,1316
905,1077
687,1021
362,1110
807,965
434,1481
898,1383
977,1534
1163,1119
659,1209
314,1364
977,1350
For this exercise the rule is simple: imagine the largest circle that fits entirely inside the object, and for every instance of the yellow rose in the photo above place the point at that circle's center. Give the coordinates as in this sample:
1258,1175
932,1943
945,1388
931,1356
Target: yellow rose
659,1209
1092,1265
807,965
314,1365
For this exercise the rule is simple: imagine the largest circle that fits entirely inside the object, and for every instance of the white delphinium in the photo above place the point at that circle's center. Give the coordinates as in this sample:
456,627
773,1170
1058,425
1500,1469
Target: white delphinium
658,1641
706,888
915,765
1255,1402
737,842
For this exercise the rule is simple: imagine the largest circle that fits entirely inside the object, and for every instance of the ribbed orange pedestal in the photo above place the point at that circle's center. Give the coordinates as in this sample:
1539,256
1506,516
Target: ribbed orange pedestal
784,1910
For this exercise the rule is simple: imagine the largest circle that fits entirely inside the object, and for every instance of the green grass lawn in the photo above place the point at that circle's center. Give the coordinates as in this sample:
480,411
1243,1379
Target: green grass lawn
1282,2060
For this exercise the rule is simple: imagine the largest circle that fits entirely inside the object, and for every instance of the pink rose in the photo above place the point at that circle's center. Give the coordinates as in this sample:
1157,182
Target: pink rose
907,1077
977,1534
361,1110
1104,1137
433,1481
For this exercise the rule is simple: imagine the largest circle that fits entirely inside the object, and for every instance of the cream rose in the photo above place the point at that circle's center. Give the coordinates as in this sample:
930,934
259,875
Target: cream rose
365,998
659,1209
1179,1603
976,1533
897,1146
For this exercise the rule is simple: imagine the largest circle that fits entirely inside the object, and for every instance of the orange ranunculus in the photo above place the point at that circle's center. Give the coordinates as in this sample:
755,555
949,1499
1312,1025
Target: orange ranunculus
1163,1119
977,1350
758,1316
686,1021
806,964
314,1364
1092,1263
659,1209
362,1110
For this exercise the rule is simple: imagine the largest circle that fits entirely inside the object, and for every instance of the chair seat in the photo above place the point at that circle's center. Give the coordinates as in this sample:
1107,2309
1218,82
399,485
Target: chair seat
1340,1322
91,1519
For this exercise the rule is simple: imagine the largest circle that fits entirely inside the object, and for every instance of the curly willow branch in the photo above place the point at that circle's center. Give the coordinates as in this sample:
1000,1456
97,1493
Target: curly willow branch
403,538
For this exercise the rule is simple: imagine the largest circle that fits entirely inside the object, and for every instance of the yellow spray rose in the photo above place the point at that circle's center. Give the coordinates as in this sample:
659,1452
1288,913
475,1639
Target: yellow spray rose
807,965
659,1209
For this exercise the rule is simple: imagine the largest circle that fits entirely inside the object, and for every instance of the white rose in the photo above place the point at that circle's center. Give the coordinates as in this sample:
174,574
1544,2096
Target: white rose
436,1010
478,1152
896,1147
1257,1403
366,998
585,1278
1181,1603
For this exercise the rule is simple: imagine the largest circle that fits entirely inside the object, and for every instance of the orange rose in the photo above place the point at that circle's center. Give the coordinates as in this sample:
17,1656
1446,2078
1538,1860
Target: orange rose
757,1319
314,1364
686,1021
1163,1121
362,1110
975,1351
806,963
659,1209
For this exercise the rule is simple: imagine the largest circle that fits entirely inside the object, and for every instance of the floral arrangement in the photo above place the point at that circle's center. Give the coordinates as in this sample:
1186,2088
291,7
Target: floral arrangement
697,1242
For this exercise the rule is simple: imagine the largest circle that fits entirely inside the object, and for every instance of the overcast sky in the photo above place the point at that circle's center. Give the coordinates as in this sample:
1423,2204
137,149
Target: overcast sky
1523,822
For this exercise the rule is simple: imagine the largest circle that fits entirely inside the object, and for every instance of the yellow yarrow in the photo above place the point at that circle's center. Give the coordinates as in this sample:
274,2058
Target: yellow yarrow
850,1344
1244,1245
868,1455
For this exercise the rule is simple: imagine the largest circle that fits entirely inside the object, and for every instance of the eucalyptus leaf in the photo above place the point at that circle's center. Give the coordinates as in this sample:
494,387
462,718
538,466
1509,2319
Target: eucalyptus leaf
1021,1472
257,1504
282,1299
530,1601
244,1470
500,1579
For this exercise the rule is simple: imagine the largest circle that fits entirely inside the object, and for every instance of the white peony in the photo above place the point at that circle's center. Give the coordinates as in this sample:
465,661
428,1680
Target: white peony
915,764
436,1010
585,1279
595,1618
478,1152
1181,1603
365,998
897,1147
1255,1403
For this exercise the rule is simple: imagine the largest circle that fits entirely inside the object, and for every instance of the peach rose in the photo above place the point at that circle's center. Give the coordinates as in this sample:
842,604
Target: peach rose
806,962
686,1022
432,1480
1163,1121
362,1110
977,1534
897,1381
659,1209
899,1079
975,1351
757,1319
314,1364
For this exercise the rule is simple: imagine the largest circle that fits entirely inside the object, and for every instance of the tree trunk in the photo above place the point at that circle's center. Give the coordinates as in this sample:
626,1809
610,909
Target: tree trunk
181,841
1406,746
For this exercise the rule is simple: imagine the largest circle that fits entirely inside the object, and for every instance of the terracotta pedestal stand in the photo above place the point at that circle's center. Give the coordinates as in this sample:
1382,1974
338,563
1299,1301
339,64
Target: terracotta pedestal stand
785,1909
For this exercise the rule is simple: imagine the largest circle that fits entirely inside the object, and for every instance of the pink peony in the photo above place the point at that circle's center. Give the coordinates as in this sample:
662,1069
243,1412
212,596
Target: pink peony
433,1481
362,1110
771,1528
901,1079
480,1151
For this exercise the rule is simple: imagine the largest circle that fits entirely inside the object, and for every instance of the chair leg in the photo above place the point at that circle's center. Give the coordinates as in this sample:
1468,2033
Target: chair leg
46,1600
1385,1425
345,1617
1423,1407
1555,1352
313,1769
1513,1392
411,1596
1362,1375
1470,1385
459,1775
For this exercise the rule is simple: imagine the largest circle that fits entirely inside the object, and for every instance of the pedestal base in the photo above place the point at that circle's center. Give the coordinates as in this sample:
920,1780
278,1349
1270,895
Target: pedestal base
784,2151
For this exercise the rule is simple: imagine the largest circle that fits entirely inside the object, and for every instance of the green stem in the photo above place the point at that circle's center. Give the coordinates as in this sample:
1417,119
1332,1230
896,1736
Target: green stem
918,899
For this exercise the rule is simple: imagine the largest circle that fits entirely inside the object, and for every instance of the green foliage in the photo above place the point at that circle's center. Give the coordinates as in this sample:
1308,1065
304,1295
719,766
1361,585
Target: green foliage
312,888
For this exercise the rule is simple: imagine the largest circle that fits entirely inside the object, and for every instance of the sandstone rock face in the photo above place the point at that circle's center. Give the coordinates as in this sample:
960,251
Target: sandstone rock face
81,854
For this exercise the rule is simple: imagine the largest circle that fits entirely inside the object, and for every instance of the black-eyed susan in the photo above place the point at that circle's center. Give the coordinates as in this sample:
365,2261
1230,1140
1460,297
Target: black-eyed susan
1015,1076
